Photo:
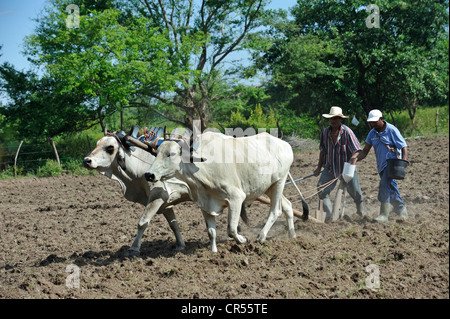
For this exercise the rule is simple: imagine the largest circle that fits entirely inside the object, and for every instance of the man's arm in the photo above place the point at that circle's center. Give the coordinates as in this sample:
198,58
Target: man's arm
320,164
405,153
354,157
362,154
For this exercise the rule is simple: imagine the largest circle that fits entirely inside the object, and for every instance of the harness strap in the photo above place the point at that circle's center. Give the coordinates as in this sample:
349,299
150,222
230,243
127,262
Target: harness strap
391,149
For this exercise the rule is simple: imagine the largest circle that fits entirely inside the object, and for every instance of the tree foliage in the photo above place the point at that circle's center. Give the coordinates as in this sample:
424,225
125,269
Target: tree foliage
182,60
133,53
39,107
328,55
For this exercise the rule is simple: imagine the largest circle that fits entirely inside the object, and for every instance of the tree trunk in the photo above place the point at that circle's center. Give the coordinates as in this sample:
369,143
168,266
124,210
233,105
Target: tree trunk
412,109
393,119
100,118
202,110
121,118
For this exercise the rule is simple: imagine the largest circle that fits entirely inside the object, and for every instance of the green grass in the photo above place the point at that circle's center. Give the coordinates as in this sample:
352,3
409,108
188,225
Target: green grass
424,122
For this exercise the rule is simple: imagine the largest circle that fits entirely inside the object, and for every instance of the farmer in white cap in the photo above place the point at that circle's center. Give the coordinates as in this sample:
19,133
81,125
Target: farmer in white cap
387,143
338,144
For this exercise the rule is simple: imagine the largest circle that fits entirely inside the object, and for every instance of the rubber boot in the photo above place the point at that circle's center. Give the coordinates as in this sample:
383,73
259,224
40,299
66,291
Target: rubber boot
384,212
327,208
360,209
404,213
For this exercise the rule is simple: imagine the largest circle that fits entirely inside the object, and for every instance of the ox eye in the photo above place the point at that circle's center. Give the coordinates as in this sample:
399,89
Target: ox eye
110,149
172,154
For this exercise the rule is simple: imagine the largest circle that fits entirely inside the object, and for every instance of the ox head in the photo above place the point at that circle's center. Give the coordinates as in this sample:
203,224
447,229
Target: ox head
167,162
171,155
107,151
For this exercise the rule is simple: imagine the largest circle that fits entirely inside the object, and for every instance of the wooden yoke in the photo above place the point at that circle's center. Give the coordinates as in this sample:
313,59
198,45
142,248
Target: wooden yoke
137,143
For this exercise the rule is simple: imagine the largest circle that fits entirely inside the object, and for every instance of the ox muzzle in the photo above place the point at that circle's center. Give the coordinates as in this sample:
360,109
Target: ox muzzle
87,162
150,177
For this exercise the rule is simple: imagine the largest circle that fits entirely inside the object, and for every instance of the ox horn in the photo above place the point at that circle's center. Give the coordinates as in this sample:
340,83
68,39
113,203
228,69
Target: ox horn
105,131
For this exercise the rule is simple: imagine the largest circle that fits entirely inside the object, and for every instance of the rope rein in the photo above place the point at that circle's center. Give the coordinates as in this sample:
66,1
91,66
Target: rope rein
318,189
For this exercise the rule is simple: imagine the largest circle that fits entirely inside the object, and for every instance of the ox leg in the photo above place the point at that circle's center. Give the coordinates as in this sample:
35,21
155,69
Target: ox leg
211,228
150,210
170,216
286,206
234,212
275,210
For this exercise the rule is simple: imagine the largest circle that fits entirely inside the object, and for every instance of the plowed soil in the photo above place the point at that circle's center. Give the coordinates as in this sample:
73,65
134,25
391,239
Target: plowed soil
53,229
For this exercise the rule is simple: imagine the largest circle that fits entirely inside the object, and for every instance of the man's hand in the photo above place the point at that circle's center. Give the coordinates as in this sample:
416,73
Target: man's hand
317,171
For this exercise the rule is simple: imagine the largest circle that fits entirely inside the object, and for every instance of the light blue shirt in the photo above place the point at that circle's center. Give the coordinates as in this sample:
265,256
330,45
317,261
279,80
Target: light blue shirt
390,136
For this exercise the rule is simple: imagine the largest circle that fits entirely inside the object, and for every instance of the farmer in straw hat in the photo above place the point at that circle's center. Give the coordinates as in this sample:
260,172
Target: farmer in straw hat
338,144
387,143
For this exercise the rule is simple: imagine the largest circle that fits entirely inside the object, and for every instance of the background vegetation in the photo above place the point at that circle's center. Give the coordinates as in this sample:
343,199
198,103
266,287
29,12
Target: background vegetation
156,63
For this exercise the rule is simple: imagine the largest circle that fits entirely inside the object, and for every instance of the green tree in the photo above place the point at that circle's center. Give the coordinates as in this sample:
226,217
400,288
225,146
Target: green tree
337,59
133,53
104,59
38,108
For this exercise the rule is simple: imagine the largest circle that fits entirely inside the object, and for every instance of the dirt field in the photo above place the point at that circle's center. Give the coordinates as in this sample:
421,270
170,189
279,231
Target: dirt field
50,224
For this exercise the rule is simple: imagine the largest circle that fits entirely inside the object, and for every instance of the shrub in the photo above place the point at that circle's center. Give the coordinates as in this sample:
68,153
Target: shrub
51,168
75,167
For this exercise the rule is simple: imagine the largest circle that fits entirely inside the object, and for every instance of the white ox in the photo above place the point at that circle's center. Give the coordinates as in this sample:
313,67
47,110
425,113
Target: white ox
128,168
230,173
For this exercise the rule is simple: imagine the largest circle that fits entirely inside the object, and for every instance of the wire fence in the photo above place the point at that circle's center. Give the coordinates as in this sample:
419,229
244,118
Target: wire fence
26,157
9,152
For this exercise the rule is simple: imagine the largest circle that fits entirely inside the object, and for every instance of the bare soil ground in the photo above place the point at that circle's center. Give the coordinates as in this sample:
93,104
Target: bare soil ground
48,224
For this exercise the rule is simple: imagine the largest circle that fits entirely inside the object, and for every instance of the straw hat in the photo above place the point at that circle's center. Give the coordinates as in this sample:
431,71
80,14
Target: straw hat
335,111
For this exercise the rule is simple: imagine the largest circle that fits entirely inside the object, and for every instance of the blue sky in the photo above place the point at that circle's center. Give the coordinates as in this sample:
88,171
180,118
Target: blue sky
16,23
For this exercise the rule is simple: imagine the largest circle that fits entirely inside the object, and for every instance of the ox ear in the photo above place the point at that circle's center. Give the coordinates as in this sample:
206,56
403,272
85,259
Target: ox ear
121,159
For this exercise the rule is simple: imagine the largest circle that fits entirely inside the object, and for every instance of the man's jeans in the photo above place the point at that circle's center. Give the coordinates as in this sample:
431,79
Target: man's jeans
353,188
388,192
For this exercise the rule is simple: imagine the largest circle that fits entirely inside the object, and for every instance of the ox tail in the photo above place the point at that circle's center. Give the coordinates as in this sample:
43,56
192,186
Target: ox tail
305,210
244,216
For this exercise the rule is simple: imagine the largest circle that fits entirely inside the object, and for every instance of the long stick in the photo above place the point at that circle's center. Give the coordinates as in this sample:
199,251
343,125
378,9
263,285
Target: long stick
52,143
299,179
15,159
293,182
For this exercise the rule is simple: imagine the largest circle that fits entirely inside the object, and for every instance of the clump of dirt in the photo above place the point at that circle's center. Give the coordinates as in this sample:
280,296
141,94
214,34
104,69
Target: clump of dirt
61,229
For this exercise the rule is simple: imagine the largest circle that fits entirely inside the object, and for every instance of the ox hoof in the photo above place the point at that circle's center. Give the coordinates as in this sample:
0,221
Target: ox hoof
241,239
179,248
261,238
131,253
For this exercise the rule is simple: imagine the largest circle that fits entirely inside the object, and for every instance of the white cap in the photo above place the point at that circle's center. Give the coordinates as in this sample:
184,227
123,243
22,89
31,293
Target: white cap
374,116
335,111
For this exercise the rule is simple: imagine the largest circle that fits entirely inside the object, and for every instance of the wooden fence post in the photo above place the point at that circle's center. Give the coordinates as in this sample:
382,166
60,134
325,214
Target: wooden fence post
437,120
52,143
89,142
15,159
